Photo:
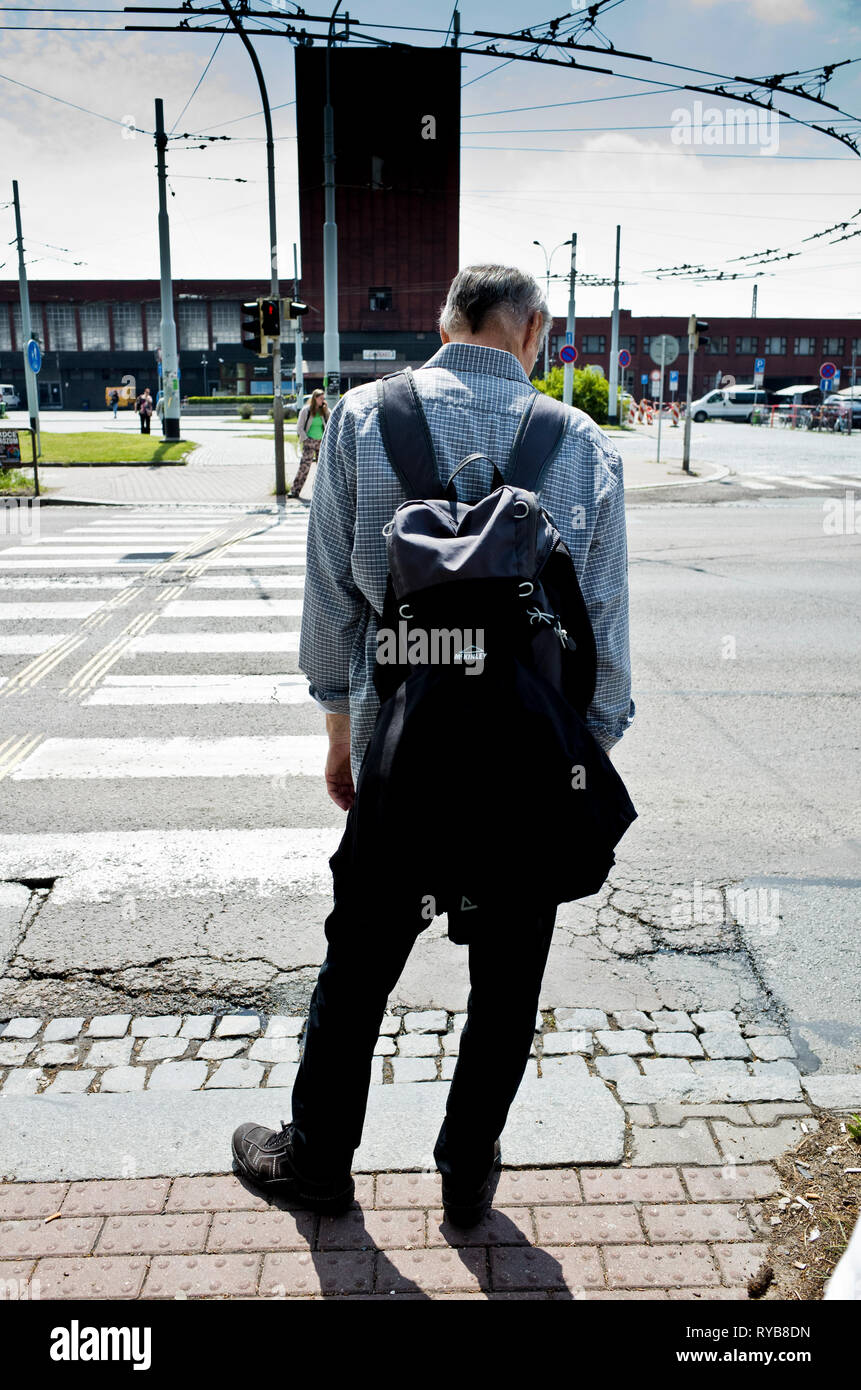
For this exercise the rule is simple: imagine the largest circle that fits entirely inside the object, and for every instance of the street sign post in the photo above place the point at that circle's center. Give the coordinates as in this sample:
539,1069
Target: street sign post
674,383
644,378
624,358
664,349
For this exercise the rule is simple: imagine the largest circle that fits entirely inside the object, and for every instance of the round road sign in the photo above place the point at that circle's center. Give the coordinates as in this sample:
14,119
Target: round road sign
568,353
664,348
624,358
827,370
34,355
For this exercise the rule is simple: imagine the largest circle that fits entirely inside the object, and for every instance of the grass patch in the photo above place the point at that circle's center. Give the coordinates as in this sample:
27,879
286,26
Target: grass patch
14,483
103,447
288,437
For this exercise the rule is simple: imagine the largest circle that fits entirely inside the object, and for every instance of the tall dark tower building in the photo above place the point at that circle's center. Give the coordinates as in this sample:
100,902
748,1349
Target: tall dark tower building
397,175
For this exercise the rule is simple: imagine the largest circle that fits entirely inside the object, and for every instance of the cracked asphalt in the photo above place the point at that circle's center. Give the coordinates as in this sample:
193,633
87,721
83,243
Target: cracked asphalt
737,887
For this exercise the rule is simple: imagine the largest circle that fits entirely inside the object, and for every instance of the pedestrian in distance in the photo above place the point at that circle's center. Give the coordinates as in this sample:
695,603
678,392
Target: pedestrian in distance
144,407
455,502
310,426
115,401
159,408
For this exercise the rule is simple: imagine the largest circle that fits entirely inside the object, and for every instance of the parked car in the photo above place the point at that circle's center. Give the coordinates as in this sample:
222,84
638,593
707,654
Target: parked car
9,396
836,411
729,403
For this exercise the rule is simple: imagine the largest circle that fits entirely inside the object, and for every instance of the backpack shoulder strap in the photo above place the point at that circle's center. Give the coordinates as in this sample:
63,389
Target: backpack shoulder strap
406,437
537,442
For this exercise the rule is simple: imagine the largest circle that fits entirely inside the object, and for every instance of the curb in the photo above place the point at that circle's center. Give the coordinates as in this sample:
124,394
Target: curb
683,481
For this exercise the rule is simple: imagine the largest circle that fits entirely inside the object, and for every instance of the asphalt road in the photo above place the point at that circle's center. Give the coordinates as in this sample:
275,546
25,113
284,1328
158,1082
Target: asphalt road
166,831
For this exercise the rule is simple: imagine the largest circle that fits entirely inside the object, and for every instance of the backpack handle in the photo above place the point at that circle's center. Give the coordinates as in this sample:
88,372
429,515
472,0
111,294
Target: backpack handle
451,490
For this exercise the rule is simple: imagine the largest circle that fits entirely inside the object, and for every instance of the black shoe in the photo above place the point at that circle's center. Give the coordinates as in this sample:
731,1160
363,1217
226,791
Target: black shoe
467,1204
265,1158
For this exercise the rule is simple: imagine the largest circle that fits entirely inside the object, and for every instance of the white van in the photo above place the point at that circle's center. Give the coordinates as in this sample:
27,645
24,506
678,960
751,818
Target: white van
9,396
728,403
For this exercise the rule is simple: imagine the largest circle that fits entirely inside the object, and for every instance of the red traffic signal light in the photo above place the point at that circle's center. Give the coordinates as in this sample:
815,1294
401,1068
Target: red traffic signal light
270,318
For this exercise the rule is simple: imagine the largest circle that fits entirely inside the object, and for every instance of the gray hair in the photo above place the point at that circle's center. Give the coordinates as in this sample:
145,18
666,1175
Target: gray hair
479,292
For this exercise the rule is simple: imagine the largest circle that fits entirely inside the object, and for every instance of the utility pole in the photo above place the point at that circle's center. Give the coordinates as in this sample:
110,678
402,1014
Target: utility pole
169,354
331,335
613,402
568,380
753,305
29,374
297,337
692,347
852,395
277,397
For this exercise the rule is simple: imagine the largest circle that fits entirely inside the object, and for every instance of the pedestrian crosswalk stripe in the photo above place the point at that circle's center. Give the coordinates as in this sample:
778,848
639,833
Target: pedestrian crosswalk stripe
201,689
101,581
243,581
788,481
234,608
72,609
92,866
15,750
755,483
26,644
114,758
190,643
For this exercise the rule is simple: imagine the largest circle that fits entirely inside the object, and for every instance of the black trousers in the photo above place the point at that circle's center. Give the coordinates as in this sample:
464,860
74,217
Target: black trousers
364,961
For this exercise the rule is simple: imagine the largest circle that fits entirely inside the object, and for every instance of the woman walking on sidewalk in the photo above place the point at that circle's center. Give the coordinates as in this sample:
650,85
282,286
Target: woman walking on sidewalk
313,418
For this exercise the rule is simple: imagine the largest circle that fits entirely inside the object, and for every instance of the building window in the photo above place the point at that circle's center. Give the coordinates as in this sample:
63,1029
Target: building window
856,346
717,345
594,342
225,322
61,327
36,326
745,345
128,331
804,347
629,342
153,326
380,297
833,347
94,328
192,325
647,342
775,347
5,329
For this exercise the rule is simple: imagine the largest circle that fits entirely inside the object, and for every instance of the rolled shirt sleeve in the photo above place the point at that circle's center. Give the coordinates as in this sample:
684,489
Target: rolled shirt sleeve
605,592
334,608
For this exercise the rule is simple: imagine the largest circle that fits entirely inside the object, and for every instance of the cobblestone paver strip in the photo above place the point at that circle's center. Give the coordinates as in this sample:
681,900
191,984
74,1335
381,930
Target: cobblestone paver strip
654,1233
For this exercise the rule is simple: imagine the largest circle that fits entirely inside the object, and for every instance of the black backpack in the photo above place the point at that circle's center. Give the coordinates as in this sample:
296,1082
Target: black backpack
481,788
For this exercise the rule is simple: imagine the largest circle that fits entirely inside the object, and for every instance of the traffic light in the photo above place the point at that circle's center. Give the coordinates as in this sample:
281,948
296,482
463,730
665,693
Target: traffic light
697,328
270,318
252,331
296,308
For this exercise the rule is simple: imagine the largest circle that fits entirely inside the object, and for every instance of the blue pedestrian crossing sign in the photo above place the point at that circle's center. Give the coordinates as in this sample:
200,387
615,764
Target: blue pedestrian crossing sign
34,356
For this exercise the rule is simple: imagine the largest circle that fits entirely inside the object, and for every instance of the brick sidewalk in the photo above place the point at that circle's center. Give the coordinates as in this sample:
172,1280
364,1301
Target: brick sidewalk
588,1233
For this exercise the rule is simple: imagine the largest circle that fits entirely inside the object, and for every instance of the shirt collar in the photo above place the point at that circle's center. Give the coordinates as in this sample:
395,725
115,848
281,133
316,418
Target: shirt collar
476,357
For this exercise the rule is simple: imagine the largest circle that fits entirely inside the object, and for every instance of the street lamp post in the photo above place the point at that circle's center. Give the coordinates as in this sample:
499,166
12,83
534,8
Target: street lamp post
547,261
204,362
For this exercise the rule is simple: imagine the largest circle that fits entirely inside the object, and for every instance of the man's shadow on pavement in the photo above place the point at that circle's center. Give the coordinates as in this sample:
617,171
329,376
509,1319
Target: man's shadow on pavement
473,1246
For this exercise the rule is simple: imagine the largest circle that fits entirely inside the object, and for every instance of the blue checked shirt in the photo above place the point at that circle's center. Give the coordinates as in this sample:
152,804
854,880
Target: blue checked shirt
473,397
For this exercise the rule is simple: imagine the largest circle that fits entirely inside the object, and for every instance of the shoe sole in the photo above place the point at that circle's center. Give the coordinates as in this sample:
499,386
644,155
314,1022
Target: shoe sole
471,1213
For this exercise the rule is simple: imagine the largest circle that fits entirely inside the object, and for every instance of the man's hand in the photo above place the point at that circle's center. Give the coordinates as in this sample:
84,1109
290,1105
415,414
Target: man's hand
339,775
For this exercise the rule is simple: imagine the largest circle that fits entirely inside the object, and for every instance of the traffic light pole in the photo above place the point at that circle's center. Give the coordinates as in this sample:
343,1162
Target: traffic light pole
331,333
169,354
277,397
24,293
568,376
689,395
297,337
613,402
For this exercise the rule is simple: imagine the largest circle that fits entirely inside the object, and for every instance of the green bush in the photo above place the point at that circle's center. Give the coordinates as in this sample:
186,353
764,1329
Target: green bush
245,411
591,392
228,400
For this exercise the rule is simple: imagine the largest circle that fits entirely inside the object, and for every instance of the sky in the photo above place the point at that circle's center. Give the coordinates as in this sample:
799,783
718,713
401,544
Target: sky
590,151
